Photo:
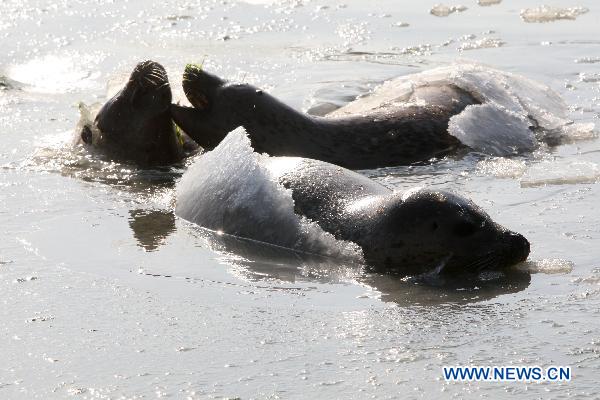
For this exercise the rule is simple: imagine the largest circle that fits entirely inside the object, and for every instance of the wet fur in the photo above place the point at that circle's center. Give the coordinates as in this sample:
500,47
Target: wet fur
135,125
402,135
416,233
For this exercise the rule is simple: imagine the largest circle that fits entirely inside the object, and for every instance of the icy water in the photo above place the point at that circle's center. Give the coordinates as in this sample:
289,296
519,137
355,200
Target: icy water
105,294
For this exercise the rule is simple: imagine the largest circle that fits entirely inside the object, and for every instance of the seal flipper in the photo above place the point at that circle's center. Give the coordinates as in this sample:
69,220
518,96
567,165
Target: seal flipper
198,125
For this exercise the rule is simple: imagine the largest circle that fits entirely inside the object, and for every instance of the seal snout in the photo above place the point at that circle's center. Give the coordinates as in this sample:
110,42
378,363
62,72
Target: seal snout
150,75
199,86
518,247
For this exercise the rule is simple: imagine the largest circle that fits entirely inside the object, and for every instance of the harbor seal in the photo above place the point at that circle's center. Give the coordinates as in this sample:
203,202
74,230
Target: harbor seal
408,119
415,130
135,125
413,233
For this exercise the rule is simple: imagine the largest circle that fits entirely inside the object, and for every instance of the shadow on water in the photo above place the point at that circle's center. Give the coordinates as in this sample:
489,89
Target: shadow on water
461,290
260,261
151,227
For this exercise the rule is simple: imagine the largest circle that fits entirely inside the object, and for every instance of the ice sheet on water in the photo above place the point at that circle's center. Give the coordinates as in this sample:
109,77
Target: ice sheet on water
493,130
485,3
484,43
517,111
546,266
561,172
442,10
548,14
544,172
229,190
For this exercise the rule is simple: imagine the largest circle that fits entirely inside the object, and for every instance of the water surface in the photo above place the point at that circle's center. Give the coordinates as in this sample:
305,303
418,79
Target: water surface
106,294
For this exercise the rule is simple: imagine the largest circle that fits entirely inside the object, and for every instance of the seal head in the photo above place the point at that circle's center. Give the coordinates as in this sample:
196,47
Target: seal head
426,231
135,125
417,232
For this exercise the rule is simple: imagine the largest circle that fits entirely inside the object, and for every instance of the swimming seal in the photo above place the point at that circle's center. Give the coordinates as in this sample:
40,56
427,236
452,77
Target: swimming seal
135,125
259,261
412,233
401,134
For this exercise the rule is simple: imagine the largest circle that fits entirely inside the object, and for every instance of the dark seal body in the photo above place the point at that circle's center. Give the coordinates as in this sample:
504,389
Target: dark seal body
411,233
415,129
135,125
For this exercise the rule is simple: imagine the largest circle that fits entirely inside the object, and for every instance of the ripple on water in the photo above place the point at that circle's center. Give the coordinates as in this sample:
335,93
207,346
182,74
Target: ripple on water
58,154
587,60
594,278
589,77
502,167
486,3
25,279
484,43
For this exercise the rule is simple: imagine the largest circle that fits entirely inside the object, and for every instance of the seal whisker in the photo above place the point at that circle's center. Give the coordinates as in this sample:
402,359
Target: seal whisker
153,82
150,81
481,262
153,79
157,74
486,262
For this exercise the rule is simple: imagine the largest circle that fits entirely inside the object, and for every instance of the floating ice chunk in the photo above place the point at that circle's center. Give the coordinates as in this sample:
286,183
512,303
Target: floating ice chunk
589,77
579,131
491,130
548,14
230,190
547,266
442,10
484,43
561,172
587,60
518,110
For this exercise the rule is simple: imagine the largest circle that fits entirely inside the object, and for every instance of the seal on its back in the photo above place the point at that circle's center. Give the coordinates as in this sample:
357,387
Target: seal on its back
403,133
411,233
135,125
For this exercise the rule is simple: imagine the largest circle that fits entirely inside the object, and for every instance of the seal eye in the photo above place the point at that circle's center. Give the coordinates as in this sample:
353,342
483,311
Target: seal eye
434,226
465,229
86,134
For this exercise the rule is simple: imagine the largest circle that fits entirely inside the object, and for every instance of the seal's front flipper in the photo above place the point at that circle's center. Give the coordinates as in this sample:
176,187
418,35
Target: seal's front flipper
198,125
